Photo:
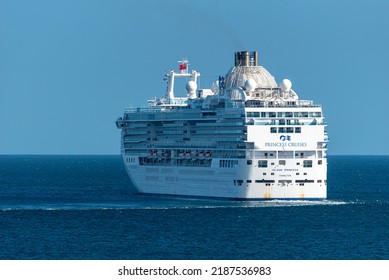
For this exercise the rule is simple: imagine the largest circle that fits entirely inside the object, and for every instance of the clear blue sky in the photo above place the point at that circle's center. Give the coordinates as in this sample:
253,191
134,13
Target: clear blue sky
69,68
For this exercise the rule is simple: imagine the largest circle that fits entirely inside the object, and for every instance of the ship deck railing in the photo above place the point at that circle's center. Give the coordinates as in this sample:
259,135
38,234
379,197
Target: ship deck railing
143,110
253,103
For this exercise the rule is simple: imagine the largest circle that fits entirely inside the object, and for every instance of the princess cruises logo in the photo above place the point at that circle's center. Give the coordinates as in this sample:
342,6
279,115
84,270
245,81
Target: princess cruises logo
285,138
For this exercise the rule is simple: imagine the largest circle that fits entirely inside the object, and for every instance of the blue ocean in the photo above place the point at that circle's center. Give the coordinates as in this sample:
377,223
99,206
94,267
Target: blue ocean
83,207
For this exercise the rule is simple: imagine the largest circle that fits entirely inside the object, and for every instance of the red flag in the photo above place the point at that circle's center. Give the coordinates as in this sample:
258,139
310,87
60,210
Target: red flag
182,67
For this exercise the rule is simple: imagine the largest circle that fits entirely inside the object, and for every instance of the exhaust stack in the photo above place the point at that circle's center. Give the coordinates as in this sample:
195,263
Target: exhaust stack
246,58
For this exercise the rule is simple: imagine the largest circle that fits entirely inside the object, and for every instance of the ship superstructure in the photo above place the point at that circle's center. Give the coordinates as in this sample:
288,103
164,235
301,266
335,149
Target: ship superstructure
244,138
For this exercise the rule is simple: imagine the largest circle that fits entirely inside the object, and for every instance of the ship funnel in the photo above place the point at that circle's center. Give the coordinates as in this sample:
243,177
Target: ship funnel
246,58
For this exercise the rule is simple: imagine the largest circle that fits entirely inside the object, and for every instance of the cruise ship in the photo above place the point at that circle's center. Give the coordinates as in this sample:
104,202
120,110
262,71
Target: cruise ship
245,138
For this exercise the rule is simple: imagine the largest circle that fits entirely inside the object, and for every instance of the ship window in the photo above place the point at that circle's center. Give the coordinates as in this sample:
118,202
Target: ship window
281,122
282,162
285,154
285,115
307,163
297,130
265,181
262,154
262,163
301,114
272,114
249,162
301,155
304,181
248,181
273,130
281,130
263,114
319,162
253,114
314,114
289,130
319,181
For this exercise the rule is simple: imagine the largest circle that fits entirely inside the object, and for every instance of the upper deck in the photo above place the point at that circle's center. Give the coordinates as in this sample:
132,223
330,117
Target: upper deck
246,88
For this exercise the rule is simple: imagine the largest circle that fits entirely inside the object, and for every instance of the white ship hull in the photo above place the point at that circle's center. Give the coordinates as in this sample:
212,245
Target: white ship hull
214,182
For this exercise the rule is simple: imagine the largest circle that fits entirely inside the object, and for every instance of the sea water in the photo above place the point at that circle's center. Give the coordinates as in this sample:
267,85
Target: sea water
83,207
